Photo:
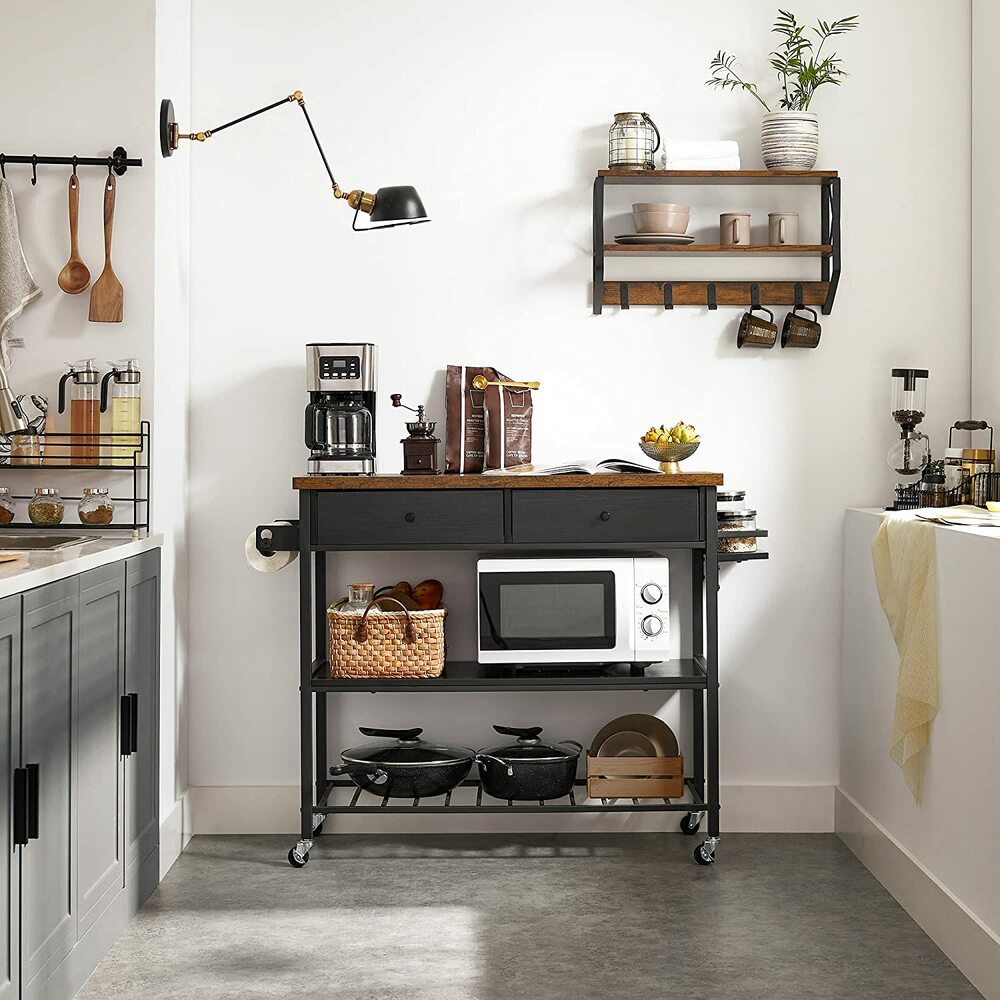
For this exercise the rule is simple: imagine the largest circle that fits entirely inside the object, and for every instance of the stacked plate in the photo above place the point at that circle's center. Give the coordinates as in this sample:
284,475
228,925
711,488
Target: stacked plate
635,735
651,239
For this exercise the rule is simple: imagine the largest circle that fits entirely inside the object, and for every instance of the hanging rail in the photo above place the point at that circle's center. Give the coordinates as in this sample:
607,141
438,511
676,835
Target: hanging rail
118,161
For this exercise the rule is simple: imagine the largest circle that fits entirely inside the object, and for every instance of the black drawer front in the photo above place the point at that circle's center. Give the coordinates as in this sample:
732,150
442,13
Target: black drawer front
594,516
387,518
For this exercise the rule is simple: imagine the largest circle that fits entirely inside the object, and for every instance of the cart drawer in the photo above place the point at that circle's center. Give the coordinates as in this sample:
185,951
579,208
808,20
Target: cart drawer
390,518
595,516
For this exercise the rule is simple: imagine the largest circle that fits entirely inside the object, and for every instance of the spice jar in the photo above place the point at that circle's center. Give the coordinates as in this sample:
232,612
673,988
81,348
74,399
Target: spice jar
95,507
25,448
737,521
7,506
46,507
956,476
932,491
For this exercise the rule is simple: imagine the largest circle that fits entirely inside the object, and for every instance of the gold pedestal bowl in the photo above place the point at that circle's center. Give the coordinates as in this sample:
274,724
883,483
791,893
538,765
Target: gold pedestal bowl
668,455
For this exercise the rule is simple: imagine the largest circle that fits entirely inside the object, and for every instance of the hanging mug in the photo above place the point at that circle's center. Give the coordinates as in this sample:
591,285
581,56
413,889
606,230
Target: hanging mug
757,332
734,229
783,229
797,331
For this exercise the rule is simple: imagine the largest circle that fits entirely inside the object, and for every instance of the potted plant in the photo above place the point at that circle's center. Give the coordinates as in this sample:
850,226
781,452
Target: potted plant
789,137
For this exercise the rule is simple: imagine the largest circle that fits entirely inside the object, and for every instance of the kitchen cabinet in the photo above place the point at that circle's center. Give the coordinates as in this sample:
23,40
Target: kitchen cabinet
79,670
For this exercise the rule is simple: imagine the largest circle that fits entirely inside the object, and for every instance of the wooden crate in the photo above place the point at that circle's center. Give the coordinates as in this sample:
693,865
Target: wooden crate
635,777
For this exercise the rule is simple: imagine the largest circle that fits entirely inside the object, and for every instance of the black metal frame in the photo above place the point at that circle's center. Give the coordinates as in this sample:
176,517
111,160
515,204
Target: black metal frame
140,467
830,264
118,161
699,676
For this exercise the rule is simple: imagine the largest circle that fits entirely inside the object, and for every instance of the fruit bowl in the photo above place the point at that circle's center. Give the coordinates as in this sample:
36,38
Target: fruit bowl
668,455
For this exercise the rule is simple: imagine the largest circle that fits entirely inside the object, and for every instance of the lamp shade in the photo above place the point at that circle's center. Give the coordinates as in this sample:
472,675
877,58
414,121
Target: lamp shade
399,204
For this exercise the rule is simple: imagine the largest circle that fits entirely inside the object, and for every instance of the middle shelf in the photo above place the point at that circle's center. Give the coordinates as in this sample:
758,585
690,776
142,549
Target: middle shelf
467,675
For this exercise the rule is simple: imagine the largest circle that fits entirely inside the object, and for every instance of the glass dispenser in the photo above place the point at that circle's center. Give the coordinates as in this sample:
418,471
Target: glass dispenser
84,412
126,410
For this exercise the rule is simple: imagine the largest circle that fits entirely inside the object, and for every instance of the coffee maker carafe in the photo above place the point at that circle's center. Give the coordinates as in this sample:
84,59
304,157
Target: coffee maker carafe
340,417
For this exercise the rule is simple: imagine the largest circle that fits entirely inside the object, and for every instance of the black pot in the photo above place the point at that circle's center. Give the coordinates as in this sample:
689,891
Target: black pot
528,768
401,765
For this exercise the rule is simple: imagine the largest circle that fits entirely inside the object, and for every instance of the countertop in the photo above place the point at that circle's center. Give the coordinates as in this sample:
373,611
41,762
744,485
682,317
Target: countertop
992,533
39,568
522,482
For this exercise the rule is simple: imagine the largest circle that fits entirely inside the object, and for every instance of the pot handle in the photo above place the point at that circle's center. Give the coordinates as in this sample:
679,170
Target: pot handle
528,733
482,758
572,743
376,774
392,734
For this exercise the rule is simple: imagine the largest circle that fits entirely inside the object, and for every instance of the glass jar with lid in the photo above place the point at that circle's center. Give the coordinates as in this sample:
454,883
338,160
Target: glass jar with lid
359,596
932,491
46,507
25,448
95,507
7,506
732,523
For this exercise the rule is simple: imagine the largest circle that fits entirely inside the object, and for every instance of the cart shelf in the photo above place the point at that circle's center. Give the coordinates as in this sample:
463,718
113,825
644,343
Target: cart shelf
669,675
717,250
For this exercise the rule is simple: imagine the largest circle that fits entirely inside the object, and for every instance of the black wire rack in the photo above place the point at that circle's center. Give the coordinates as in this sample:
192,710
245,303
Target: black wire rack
980,489
128,455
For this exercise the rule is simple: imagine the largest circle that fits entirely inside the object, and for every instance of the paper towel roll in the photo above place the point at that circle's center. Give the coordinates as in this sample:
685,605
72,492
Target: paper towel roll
266,564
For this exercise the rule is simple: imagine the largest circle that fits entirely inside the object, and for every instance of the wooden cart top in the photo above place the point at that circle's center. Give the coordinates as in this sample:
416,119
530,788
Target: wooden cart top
521,482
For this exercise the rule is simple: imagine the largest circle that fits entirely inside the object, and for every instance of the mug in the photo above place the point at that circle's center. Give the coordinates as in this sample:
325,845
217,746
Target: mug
783,229
757,332
797,331
734,229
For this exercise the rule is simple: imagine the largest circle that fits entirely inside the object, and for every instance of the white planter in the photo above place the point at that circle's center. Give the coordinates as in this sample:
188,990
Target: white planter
789,140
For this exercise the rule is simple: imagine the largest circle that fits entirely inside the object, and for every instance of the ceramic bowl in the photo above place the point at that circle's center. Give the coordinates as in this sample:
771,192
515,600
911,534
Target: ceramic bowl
668,455
660,221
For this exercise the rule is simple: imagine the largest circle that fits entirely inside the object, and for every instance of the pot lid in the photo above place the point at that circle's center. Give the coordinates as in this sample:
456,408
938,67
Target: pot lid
403,747
527,744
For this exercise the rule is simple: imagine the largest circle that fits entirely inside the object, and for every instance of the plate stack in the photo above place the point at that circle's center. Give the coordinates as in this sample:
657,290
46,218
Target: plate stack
635,757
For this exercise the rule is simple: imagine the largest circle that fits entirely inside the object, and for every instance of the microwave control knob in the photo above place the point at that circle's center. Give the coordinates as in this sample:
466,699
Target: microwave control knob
651,625
652,593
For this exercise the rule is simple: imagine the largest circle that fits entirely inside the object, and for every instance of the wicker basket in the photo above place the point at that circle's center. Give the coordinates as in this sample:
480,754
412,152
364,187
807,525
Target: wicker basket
389,644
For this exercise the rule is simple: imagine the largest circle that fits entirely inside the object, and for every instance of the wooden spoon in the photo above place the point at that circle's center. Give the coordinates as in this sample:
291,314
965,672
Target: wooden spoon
107,295
75,275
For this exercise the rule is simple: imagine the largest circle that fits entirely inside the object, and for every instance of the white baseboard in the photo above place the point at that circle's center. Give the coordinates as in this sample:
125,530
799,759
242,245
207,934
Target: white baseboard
954,928
175,833
275,809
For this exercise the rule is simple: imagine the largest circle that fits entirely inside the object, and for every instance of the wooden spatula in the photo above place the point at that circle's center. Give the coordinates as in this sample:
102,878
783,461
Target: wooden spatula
107,296
75,276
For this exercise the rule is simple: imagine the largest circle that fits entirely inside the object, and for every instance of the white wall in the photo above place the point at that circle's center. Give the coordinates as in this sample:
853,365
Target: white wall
500,117
986,218
84,79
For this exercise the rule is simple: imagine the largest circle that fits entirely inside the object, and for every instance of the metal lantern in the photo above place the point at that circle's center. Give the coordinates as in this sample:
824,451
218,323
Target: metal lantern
632,141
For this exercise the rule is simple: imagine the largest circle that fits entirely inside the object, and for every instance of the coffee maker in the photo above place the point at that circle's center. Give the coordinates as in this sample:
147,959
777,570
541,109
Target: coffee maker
340,417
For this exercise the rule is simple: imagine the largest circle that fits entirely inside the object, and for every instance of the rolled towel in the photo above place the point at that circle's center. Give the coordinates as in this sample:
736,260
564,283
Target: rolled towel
17,286
692,149
725,163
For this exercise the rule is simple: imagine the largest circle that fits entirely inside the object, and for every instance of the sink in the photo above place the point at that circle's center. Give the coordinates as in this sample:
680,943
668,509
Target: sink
39,542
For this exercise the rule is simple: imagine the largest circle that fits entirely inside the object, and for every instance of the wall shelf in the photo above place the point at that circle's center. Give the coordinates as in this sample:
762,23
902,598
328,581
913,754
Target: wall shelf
666,294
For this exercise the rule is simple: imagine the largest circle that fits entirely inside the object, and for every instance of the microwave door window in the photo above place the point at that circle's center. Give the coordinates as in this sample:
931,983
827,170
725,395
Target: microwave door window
547,611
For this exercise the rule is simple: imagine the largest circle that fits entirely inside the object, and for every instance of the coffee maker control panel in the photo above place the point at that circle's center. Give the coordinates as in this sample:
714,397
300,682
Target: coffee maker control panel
343,367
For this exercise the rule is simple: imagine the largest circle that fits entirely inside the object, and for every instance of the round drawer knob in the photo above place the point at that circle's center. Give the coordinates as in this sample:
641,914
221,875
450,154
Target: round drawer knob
651,625
605,515
409,518
652,593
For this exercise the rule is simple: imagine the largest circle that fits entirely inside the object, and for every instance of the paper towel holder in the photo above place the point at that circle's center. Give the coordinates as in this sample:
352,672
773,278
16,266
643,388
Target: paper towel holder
282,536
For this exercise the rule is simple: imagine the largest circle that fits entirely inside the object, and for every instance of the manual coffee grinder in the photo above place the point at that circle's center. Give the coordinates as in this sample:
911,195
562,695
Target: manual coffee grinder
909,456
420,449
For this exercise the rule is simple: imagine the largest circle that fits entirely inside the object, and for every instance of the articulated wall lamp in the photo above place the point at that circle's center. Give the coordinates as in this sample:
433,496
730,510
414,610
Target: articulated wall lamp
387,207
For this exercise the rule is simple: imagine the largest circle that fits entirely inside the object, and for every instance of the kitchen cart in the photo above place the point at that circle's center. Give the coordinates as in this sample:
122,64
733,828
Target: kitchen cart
506,514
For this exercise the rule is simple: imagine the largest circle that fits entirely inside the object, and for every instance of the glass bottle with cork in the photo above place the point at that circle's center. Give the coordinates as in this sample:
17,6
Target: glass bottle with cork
84,412
126,410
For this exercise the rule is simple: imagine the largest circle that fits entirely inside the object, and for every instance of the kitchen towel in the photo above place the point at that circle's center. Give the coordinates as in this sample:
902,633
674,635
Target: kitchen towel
726,163
693,149
904,557
17,286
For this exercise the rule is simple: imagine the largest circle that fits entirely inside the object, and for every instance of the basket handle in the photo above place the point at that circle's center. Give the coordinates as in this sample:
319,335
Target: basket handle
361,630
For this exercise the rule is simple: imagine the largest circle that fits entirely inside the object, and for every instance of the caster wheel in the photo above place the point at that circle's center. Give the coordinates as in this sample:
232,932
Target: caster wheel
690,824
297,860
701,855
319,829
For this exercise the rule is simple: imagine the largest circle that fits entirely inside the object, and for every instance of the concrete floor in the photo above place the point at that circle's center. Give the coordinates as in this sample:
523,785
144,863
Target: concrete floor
575,917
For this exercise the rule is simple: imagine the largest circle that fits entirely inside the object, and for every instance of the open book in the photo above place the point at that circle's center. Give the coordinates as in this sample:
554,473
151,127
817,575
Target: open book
606,466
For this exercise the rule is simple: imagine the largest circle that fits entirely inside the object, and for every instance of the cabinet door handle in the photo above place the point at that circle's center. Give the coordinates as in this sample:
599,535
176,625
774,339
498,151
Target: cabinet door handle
20,806
605,515
125,740
409,518
32,824
133,735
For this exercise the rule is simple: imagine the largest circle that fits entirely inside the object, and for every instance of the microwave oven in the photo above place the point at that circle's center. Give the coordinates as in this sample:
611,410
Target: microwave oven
576,609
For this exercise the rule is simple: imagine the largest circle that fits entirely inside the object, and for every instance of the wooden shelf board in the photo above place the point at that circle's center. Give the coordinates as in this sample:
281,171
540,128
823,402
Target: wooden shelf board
619,176
454,481
727,293
717,250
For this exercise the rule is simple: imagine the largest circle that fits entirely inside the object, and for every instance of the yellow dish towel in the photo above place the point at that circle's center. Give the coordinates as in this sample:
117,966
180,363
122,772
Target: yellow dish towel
905,571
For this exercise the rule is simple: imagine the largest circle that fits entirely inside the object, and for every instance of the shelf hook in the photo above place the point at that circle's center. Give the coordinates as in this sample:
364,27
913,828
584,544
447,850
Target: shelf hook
623,294
74,163
754,296
710,295
668,295
34,169
3,165
799,302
